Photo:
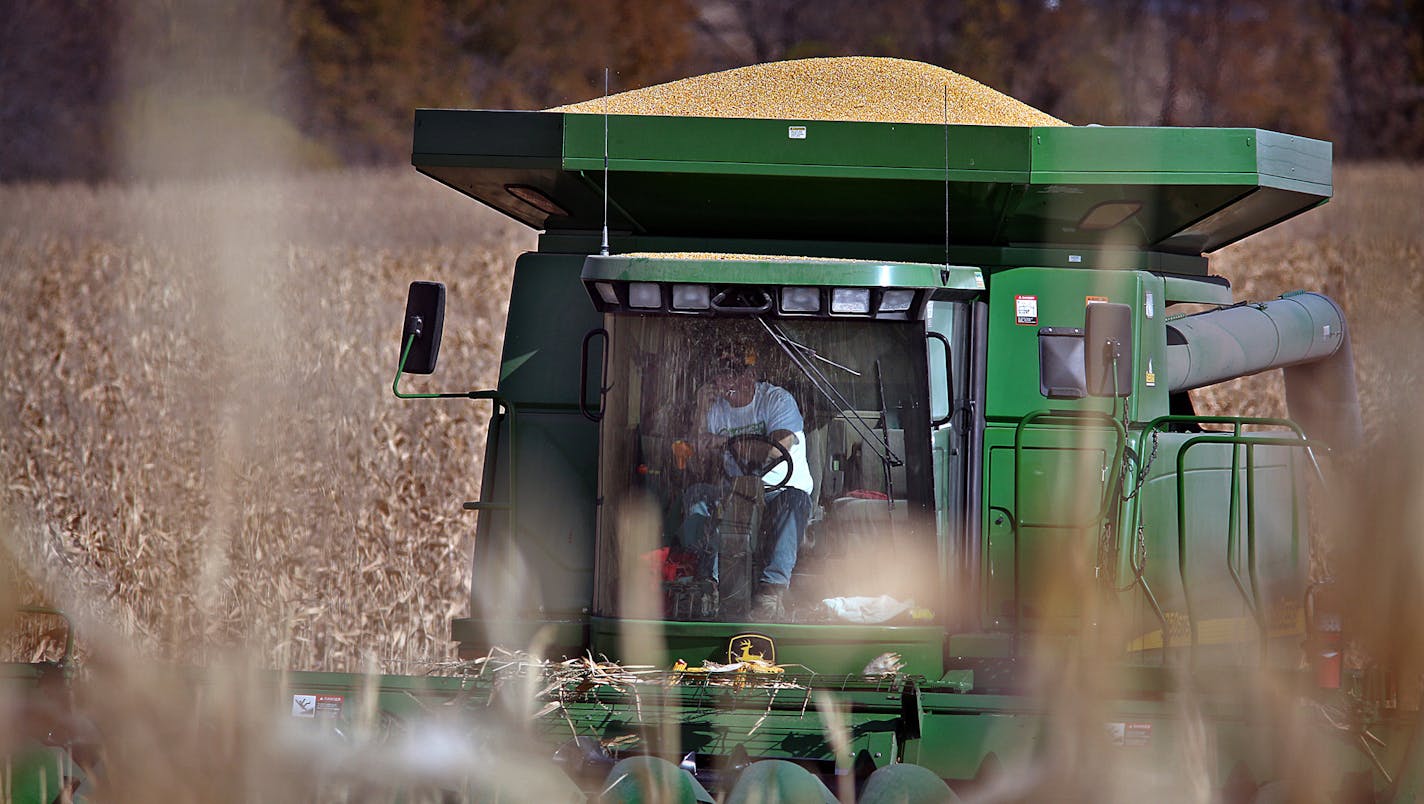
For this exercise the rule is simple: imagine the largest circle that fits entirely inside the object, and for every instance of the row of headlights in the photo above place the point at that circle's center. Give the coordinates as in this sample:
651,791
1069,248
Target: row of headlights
694,298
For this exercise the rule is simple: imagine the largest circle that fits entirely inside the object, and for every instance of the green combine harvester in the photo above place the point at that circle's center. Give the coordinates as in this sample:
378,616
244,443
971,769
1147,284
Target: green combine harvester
840,460
980,332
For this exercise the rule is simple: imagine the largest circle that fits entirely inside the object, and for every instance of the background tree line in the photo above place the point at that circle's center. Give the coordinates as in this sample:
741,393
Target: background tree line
100,89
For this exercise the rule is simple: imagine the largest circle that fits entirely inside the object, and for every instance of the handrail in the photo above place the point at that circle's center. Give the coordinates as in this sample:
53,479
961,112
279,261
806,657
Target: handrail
596,332
1253,598
1133,514
502,409
1104,506
951,407
1237,422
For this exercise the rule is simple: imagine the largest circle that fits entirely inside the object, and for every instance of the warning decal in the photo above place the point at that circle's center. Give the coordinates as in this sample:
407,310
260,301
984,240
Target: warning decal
1026,310
317,705
303,706
1130,735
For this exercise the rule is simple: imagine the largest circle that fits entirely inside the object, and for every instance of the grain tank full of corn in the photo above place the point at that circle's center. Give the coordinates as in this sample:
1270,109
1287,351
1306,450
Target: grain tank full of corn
843,434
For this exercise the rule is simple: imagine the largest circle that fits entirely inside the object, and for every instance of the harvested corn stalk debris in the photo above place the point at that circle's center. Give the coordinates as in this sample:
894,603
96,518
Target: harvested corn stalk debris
580,675
886,664
861,88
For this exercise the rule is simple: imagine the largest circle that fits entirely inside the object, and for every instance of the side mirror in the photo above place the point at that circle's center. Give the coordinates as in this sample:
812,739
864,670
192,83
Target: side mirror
1107,352
424,320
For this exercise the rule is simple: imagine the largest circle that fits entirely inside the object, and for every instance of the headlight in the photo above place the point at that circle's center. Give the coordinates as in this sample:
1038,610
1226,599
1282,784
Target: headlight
896,301
606,292
689,297
850,300
645,295
800,300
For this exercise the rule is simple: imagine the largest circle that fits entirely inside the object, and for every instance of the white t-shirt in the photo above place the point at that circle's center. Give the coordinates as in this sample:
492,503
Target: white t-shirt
772,408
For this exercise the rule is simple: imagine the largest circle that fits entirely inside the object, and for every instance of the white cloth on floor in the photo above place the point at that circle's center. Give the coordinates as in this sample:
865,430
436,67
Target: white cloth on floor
867,610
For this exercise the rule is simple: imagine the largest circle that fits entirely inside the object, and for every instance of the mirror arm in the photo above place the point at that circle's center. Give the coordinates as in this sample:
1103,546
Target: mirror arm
1110,357
395,383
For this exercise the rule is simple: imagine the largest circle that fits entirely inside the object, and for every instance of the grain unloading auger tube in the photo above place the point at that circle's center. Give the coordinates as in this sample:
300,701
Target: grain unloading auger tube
1301,332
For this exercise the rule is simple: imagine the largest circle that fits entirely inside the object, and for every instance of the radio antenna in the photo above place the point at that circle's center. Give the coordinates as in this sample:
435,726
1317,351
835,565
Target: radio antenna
946,177
603,247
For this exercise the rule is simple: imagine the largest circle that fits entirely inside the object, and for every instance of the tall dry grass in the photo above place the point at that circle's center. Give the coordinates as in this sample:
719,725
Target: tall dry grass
1365,249
196,434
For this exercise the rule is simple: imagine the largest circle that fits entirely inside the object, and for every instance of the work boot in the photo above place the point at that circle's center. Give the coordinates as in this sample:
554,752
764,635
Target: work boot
707,606
767,604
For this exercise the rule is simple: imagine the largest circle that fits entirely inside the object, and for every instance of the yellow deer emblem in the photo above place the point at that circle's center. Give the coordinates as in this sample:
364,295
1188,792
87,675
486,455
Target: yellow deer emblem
751,648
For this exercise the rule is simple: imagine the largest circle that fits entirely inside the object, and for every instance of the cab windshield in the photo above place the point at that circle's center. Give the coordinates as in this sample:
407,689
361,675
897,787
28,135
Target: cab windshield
765,470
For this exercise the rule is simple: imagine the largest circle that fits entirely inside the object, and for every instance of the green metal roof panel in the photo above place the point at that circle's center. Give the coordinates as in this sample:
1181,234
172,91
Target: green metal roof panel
1096,151
1193,190
1298,159
800,148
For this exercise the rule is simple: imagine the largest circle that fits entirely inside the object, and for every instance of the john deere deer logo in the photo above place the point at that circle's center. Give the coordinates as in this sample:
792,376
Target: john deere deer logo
751,648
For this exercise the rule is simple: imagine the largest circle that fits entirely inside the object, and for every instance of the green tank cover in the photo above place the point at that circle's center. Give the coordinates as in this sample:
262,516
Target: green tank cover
779,781
641,779
906,784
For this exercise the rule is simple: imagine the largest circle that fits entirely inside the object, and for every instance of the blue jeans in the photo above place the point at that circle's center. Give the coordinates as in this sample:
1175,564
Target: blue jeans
782,523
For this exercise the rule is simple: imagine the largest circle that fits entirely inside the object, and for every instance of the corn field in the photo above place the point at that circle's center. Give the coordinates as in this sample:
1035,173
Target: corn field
200,453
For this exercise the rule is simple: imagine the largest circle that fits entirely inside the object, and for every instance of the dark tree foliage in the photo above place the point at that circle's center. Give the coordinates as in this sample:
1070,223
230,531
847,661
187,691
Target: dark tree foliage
54,85
114,88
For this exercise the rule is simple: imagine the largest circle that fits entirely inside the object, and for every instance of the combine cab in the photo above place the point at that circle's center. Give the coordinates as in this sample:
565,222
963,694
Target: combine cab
988,336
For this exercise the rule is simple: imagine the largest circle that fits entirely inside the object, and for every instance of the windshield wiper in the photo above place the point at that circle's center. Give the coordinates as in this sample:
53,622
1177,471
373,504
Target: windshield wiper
799,355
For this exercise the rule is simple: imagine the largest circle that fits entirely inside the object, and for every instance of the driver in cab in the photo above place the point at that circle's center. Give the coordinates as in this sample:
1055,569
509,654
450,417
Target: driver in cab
753,427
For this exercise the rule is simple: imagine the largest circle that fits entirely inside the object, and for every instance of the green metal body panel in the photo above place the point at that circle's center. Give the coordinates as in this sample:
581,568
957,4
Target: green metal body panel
1195,291
1064,473
1060,298
31,773
533,561
828,650
964,738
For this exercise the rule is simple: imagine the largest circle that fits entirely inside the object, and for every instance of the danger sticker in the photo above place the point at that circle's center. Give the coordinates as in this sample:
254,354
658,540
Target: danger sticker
314,706
1130,735
1095,300
1026,310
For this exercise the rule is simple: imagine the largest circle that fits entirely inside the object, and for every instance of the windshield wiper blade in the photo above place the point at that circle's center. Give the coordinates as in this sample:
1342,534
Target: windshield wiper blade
809,352
828,390
780,333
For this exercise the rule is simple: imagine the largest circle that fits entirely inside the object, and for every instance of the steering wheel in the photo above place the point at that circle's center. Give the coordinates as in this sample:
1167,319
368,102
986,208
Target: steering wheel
729,449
